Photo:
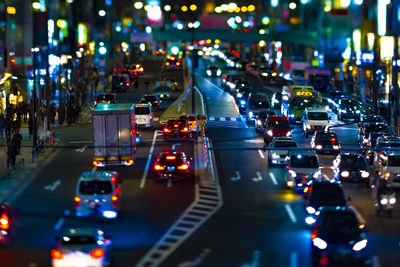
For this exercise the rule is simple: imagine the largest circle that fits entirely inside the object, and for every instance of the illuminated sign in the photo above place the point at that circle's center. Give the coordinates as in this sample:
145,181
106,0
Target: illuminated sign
82,34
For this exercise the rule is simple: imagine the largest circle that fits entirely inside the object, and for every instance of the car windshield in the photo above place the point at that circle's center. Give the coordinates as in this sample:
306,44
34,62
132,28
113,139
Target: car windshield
95,187
259,104
353,162
118,79
302,102
394,161
301,161
338,227
350,103
326,138
78,240
176,123
142,111
278,125
150,98
285,144
318,116
105,98
327,194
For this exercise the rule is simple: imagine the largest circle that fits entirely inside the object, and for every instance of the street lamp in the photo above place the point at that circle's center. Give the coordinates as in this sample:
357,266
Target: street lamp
192,27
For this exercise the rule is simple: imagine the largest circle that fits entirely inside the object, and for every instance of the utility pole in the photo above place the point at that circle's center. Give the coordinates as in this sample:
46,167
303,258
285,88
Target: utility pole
395,82
34,113
194,56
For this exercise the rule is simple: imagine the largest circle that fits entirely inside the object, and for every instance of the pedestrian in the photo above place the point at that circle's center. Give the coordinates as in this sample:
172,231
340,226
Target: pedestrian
11,156
2,119
61,113
53,112
17,141
30,124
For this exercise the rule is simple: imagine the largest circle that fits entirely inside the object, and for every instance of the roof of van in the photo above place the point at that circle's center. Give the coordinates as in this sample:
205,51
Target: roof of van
105,175
113,107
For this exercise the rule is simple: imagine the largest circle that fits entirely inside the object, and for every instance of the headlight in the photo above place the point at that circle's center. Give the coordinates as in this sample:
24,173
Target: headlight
292,173
387,175
345,174
360,245
364,174
218,72
239,95
318,147
316,174
357,111
290,183
275,156
384,201
251,114
291,115
319,243
327,108
335,147
209,72
308,126
242,102
109,214
343,111
310,220
289,134
232,85
310,210
258,122
269,132
275,101
392,201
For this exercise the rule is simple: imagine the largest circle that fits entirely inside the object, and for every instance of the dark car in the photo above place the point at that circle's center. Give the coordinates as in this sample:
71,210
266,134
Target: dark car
325,142
6,224
151,99
172,165
213,71
349,109
276,126
120,83
366,129
176,128
105,99
261,118
338,238
323,193
351,167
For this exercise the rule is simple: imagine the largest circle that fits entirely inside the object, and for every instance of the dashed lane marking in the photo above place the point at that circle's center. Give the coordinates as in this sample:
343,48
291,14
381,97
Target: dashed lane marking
258,178
169,183
255,261
236,178
261,154
375,261
146,169
53,186
273,179
290,213
197,260
58,224
293,259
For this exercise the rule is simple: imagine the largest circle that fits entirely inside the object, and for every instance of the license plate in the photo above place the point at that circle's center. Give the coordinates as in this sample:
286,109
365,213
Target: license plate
170,168
113,158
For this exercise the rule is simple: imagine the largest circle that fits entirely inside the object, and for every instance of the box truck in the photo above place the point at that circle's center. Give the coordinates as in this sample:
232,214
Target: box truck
114,135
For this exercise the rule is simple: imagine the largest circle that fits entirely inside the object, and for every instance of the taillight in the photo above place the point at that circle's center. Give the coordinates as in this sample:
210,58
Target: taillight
97,253
151,117
114,198
130,161
141,69
77,199
314,234
116,191
186,129
4,222
183,167
166,130
95,162
56,254
158,167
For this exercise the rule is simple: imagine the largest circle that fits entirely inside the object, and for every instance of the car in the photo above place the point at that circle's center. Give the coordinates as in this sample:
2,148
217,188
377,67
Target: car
349,109
265,72
261,119
241,84
371,140
176,128
229,82
144,115
280,155
213,71
387,166
338,238
137,68
173,63
97,194
193,122
276,100
106,99
256,103
150,99
163,92
302,168
7,224
160,52
315,119
323,193
172,164
120,83
365,130
382,143
351,167
82,247
276,126
325,142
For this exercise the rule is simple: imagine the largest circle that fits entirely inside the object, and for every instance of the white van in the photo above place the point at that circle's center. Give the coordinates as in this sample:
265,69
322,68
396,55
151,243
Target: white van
315,119
144,115
97,194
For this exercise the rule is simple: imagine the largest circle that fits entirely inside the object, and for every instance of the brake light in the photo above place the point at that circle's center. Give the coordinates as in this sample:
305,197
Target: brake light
114,198
116,191
77,199
186,129
184,166
56,254
166,130
4,222
158,167
314,234
141,69
130,161
97,253
171,157
95,162
176,125
151,117
333,140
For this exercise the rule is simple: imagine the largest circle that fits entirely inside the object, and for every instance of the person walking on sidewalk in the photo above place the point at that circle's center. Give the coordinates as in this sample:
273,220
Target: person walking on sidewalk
53,112
11,155
1,125
30,123
61,114
17,141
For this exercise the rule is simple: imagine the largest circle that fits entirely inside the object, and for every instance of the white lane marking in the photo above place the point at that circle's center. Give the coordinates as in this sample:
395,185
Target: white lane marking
255,261
59,223
237,177
293,259
258,178
78,142
272,176
146,169
326,176
32,264
256,141
81,149
290,213
53,186
175,145
261,154
375,261
202,101
169,183
197,260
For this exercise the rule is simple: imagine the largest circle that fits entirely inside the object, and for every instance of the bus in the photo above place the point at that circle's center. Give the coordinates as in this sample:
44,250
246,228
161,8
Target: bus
296,98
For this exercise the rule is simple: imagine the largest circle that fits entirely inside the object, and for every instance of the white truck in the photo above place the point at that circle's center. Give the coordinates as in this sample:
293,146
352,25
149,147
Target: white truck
114,136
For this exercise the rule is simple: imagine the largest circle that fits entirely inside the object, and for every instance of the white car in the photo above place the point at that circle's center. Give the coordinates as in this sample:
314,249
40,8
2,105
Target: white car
97,194
315,119
280,154
144,115
303,166
80,247
387,166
